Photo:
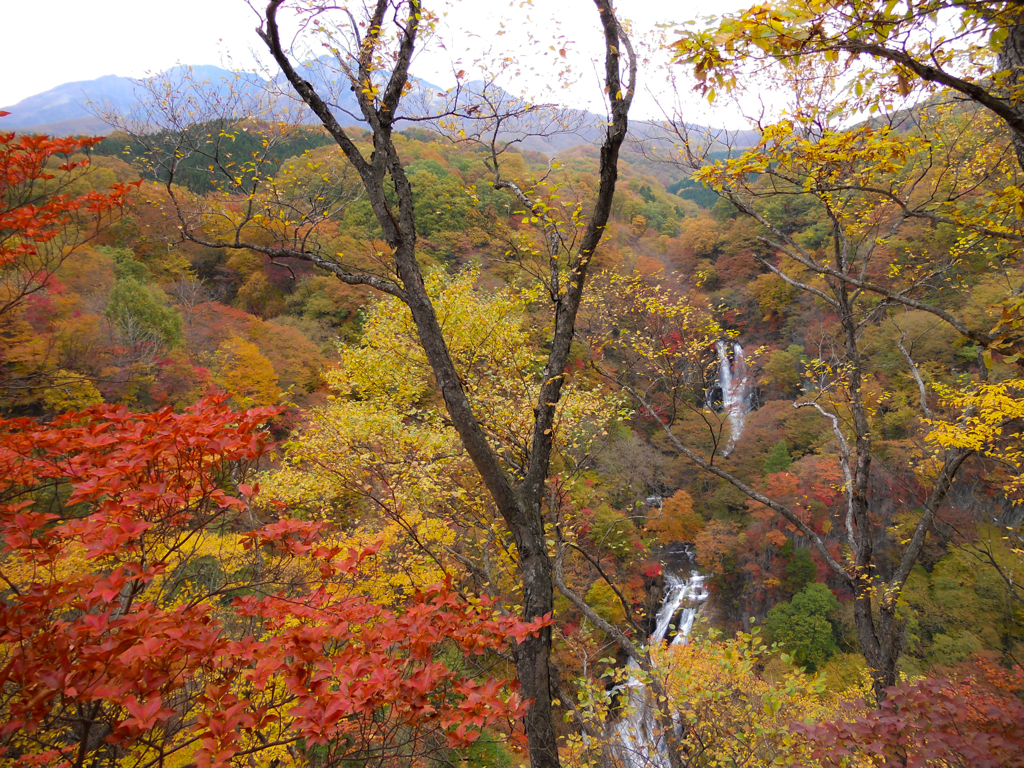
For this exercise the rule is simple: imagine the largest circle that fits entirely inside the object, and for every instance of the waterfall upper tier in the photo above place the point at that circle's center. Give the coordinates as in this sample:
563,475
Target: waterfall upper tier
734,380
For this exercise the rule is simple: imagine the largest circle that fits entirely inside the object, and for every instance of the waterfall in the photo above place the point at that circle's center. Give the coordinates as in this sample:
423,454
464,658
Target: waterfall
636,737
734,380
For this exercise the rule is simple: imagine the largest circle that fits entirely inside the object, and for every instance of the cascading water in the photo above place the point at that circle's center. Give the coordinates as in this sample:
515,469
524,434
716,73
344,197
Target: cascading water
638,739
735,384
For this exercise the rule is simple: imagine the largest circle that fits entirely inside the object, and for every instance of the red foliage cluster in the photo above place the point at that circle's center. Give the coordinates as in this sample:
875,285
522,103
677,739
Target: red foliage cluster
35,209
931,722
809,488
750,565
101,515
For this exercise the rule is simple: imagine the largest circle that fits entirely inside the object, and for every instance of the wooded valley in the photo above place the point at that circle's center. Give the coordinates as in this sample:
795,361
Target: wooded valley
345,422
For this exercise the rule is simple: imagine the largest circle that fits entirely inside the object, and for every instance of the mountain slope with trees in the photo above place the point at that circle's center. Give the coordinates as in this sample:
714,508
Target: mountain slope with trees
318,436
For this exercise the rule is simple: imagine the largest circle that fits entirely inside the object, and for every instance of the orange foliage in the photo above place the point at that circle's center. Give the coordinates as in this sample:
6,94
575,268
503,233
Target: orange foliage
716,547
677,520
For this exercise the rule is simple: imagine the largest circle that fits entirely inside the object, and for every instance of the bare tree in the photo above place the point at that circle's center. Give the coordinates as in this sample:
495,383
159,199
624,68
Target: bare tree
371,52
191,292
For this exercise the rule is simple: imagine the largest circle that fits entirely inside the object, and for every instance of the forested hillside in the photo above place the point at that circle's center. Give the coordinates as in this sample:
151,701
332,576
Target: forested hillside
391,445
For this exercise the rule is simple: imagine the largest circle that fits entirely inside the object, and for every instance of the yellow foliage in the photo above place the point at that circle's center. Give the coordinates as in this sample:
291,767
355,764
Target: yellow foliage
70,391
990,425
734,713
241,369
382,452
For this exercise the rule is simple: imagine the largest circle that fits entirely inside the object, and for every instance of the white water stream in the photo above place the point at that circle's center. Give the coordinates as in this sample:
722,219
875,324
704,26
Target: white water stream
734,381
638,739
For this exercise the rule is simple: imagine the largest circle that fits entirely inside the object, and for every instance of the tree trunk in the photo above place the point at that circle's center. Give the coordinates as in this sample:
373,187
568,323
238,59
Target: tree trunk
526,523
1011,59
879,642
533,656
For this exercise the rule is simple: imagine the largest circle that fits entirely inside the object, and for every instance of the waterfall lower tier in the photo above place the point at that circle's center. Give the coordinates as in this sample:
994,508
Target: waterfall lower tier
637,737
734,381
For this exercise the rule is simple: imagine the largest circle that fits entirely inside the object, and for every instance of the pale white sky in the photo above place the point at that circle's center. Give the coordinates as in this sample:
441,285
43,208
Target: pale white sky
49,42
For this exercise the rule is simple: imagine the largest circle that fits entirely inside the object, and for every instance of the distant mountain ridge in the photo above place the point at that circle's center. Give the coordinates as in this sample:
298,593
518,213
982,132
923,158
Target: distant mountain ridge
65,110
62,111
69,108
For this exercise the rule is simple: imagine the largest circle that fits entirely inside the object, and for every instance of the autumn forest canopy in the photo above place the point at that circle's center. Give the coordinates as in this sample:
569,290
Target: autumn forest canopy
346,420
